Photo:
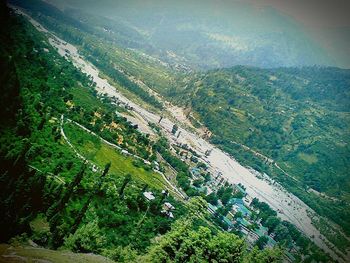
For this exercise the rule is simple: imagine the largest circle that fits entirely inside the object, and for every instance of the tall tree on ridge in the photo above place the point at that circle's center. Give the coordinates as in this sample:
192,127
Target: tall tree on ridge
127,179
87,203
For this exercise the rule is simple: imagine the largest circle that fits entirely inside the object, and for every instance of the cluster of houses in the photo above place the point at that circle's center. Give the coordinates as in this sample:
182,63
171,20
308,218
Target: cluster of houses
167,208
240,216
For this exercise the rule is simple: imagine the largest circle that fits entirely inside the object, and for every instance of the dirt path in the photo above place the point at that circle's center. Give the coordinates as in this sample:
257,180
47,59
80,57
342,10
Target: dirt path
171,186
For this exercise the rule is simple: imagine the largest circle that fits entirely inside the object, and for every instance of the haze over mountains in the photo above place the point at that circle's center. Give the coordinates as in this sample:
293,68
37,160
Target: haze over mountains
213,34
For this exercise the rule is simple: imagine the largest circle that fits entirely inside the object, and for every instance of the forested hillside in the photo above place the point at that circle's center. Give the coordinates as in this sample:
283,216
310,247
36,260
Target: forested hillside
299,118
107,51
64,187
75,170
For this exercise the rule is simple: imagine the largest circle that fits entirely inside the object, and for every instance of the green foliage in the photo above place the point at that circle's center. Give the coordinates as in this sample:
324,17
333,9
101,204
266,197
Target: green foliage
113,58
127,179
266,255
183,174
297,117
261,242
162,147
88,238
100,217
197,207
182,244
286,233
121,254
225,193
39,168
212,198
98,152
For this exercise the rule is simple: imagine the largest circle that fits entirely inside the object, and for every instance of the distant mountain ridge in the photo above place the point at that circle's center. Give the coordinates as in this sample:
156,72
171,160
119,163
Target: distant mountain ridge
205,38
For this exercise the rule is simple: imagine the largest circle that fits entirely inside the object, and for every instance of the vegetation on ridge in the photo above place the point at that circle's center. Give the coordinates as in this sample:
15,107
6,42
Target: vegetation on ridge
52,197
298,118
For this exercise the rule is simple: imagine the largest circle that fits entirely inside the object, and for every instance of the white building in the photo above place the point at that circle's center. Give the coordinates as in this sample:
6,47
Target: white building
149,196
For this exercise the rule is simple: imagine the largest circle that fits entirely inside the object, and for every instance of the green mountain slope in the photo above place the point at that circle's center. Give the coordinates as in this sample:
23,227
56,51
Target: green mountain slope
52,197
41,173
298,117
270,111
113,57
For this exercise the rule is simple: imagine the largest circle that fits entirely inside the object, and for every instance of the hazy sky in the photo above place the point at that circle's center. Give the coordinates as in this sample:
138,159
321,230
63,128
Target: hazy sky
313,13
327,21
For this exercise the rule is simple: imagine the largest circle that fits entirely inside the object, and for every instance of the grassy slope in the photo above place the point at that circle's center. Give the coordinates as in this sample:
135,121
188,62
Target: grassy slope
98,152
32,254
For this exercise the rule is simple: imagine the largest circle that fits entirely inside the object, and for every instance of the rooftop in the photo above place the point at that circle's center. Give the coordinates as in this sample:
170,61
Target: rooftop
149,195
169,206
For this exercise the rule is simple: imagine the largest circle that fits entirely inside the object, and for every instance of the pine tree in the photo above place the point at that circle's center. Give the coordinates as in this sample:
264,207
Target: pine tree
58,207
88,201
127,179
